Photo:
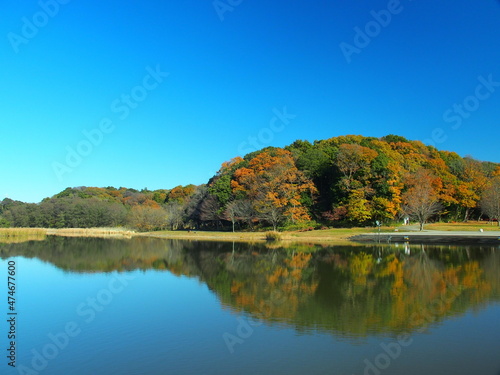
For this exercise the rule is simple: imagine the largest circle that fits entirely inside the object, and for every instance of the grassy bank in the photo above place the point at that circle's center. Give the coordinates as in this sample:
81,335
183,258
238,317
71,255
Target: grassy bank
92,232
469,226
336,236
327,236
13,235
330,236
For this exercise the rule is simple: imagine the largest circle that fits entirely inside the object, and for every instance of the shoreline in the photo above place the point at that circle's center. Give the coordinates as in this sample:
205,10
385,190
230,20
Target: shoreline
432,237
351,236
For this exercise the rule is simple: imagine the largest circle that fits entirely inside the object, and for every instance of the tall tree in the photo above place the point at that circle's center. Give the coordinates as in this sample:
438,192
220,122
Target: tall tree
174,214
421,200
473,186
358,207
490,201
244,211
231,213
211,210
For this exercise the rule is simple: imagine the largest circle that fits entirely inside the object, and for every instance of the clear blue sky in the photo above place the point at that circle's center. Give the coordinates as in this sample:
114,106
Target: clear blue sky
227,80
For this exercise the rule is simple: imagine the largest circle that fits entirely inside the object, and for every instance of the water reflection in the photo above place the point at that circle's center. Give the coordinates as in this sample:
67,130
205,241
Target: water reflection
351,291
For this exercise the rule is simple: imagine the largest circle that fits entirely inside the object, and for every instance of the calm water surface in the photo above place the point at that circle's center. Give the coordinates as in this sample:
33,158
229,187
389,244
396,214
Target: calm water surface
149,306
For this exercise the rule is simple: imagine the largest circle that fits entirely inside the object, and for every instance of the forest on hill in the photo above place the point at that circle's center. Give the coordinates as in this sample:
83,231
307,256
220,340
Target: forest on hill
342,181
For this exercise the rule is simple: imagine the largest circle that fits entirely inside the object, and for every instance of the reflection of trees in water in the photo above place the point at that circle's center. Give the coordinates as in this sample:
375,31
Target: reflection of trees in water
99,255
491,267
358,292
420,270
350,291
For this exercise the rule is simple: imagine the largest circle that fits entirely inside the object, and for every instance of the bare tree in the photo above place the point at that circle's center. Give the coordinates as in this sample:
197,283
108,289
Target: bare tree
192,208
210,210
421,200
272,214
245,211
147,218
175,213
240,210
230,213
490,201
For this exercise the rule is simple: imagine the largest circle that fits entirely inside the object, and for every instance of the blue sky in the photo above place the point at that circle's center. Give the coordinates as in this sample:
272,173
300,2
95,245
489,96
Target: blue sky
169,90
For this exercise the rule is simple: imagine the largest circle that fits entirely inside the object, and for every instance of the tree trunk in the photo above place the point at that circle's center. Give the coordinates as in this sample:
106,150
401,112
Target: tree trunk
421,226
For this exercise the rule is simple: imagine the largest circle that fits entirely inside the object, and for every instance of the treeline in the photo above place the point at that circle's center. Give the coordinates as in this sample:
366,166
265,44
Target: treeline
352,180
88,207
341,181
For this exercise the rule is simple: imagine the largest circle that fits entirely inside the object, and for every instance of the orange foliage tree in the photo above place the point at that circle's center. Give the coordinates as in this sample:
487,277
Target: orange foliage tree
275,186
422,199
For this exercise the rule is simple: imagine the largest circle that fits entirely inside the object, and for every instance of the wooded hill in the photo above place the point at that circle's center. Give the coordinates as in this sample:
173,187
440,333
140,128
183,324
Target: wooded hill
342,181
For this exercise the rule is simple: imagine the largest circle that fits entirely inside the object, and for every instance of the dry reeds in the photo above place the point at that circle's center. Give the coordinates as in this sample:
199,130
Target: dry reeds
273,236
14,235
92,232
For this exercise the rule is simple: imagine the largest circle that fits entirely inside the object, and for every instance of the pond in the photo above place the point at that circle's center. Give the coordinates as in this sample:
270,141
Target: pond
152,306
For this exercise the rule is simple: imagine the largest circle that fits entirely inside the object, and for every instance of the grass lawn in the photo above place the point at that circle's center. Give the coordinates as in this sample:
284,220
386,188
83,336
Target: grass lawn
327,235
469,226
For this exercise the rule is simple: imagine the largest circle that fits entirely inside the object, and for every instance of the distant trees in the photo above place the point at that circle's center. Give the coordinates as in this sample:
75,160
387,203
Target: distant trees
67,212
174,215
490,201
341,181
148,219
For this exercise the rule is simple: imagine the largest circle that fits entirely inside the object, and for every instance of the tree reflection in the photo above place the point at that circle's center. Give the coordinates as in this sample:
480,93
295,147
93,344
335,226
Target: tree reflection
349,291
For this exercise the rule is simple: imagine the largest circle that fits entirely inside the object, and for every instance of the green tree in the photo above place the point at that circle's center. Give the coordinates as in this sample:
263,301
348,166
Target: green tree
358,207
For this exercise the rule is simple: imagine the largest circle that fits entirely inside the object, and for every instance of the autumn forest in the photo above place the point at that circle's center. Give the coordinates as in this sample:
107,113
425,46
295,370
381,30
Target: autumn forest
339,182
